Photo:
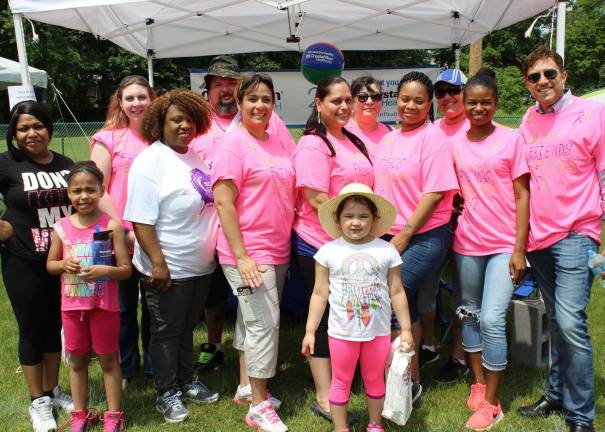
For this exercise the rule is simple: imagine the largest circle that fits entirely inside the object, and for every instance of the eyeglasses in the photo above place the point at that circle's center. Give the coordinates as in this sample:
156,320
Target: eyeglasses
549,74
363,97
452,91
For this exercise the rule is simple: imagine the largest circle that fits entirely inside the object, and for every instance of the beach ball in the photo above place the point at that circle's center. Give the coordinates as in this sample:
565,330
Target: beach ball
321,60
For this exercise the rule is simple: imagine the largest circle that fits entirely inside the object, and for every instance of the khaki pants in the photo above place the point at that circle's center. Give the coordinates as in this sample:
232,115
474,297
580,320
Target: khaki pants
257,325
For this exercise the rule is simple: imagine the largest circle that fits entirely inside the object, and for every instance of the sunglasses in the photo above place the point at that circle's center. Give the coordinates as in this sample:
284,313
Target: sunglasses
452,91
549,74
363,97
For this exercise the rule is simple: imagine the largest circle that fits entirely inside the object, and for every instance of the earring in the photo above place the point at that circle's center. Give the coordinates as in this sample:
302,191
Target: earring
318,118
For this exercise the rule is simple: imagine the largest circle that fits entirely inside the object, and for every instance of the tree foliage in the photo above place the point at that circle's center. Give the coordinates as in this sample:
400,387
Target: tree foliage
87,70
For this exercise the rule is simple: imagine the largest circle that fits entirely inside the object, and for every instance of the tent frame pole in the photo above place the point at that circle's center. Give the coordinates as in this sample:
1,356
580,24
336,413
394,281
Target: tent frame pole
21,50
561,11
150,67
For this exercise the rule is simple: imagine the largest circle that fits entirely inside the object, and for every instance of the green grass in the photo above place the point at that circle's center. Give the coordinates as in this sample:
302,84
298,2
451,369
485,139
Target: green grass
442,407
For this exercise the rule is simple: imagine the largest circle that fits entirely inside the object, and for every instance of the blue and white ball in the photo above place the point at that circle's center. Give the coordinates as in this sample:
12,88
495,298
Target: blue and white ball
321,60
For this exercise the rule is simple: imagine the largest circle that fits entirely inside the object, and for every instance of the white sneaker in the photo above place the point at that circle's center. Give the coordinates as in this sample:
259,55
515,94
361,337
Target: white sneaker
41,415
62,400
243,396
264,418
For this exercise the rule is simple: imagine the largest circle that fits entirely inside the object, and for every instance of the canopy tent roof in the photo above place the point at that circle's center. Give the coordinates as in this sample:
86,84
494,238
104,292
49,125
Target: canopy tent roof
10,74
183,28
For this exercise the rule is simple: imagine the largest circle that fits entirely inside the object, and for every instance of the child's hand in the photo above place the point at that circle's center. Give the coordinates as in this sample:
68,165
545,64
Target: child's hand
71,265
406,341
93,273
308,345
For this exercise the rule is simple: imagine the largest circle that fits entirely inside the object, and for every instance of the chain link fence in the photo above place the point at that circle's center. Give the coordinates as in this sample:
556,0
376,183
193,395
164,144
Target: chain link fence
69,139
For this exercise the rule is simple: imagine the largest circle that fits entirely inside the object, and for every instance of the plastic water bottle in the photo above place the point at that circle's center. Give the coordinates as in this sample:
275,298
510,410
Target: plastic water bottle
101,249
596,262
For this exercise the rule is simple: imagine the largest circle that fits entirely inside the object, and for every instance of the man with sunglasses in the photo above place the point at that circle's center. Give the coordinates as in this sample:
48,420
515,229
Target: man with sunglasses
448,92
565,150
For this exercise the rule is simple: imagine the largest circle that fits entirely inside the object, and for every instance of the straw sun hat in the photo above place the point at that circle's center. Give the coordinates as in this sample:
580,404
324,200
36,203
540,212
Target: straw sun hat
386,210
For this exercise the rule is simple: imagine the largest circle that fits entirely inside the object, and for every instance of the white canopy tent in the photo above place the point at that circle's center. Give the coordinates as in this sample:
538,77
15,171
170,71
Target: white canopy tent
10,74
183,28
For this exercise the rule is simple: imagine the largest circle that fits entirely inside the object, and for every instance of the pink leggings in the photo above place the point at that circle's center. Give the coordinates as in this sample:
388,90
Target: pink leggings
373,357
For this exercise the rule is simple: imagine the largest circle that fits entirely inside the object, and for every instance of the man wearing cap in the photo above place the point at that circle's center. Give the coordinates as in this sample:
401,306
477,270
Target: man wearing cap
565,151
221,82
448,92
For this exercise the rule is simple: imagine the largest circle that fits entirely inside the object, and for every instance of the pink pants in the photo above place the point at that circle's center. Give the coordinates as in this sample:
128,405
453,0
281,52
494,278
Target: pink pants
372,356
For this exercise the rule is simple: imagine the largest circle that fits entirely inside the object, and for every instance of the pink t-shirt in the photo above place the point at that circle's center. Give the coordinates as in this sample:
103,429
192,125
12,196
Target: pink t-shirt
123,146
564,152
370,139
486,171
208,144
411,164
453,130
263,173
77,294
317,170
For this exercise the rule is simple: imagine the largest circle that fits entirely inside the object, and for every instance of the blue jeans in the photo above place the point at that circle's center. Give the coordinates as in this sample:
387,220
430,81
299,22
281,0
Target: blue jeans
422,262
485,289
564,280
129,327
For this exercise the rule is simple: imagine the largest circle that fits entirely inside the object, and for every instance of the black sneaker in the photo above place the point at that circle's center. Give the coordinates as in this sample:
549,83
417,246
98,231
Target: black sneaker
209,358
427,357
451,372
416,391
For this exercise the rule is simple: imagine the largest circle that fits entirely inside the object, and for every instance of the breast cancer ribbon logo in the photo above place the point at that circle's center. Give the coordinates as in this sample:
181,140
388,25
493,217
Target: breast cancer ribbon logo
201,183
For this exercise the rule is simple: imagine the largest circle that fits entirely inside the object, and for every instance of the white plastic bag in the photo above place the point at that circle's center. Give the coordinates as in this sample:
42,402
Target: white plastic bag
398,398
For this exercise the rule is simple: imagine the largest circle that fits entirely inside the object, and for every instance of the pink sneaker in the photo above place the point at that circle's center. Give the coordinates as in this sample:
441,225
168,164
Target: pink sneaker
373,427
476,397
243,396
113,421
486,416
81,420
264,418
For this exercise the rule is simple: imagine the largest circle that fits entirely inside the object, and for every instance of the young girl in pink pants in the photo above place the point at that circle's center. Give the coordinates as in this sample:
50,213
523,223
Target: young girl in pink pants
358,273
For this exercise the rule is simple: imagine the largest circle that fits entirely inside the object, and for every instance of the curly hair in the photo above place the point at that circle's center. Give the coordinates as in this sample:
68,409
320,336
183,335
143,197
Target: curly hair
541,53
186,101
116,117
423,79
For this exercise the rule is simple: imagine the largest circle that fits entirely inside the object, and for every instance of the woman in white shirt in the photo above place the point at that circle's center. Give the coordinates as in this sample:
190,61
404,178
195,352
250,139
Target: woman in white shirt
171,206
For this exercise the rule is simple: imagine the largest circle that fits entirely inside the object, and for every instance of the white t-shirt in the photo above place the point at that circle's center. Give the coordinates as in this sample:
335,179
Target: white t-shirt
172,192
360,302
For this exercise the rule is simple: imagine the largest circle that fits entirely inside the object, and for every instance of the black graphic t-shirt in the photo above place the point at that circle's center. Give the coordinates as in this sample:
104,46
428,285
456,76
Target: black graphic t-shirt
36,198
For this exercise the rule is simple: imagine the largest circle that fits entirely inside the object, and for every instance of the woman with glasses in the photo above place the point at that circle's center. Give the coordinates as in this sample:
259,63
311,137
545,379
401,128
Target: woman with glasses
367,103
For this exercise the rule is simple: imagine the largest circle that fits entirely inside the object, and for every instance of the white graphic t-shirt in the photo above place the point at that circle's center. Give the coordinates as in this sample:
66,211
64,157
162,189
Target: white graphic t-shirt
360,304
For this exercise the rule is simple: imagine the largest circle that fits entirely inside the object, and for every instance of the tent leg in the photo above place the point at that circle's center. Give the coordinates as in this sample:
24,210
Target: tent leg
150,69
21,51
561,10
457,55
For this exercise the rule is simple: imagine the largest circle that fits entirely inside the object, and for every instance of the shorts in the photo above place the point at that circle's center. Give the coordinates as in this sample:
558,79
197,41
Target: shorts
96,328
257,325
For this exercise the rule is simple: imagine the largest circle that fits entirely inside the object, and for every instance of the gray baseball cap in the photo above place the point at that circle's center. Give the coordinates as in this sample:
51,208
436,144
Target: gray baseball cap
222,66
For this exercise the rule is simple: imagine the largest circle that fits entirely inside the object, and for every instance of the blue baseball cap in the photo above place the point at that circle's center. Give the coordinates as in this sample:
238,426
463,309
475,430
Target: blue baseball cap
452,76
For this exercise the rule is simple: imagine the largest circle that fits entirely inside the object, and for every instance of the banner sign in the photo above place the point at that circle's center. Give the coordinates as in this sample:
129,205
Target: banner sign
294,95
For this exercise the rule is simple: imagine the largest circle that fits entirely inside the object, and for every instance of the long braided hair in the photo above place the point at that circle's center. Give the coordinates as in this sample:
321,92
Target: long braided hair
423,79
315,127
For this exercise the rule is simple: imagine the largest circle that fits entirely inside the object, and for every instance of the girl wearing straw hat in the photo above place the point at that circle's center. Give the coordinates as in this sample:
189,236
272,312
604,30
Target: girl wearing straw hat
358,274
